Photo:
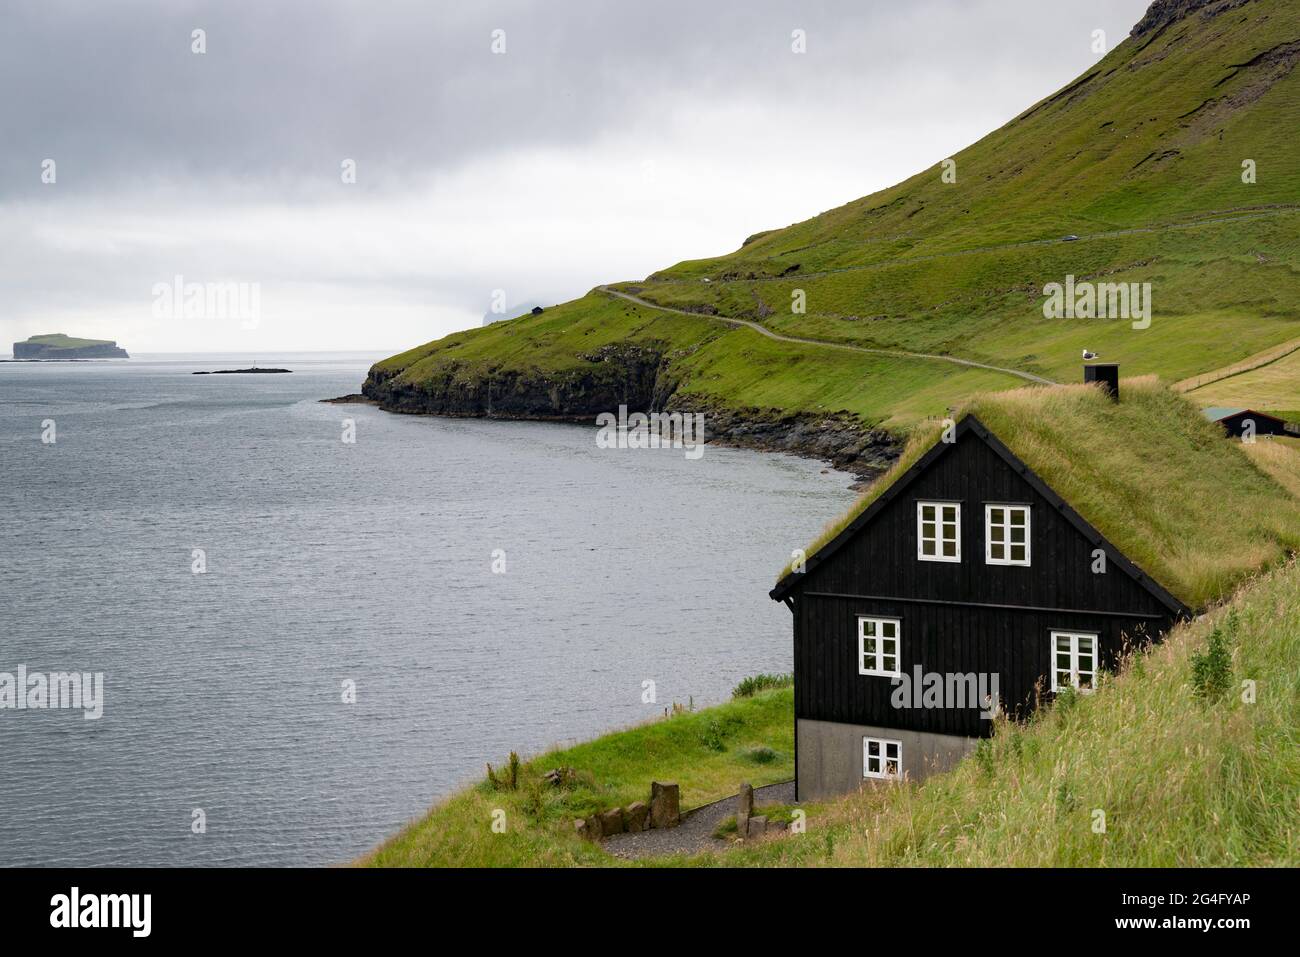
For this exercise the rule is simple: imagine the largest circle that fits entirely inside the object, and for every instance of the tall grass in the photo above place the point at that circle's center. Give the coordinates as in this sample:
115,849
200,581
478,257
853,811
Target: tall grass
1279,458
761,682
1155,478
707,752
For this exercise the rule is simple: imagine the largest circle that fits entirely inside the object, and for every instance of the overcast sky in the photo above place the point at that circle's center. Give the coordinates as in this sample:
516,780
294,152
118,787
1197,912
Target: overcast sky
608,140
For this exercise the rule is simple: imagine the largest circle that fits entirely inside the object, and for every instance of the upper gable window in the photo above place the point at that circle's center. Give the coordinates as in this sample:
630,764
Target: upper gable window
1006,534
938,531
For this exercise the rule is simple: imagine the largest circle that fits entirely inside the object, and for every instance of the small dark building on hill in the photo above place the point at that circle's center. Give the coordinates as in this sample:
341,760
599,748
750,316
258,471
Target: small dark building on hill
1239,423
967,585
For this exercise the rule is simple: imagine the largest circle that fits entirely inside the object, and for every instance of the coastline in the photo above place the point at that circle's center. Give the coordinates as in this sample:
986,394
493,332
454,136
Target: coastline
837,439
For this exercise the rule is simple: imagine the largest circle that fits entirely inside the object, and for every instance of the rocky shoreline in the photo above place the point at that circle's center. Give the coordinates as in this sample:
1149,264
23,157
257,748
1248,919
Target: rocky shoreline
838,439
635,376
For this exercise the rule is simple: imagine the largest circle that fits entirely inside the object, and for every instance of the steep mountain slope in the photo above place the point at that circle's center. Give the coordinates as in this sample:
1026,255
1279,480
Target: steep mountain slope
1143,159
1155,133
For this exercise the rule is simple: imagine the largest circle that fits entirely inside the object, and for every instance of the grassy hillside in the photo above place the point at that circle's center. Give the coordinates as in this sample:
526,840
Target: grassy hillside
1280,458
708,753
1275,386
1142,158
1182,780
704,360
1185,775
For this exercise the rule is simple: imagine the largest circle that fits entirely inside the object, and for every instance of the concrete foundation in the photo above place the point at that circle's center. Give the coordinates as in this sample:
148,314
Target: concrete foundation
830,755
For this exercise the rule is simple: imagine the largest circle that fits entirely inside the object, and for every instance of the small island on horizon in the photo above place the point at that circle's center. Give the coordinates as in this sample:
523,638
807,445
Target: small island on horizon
251,371
59,346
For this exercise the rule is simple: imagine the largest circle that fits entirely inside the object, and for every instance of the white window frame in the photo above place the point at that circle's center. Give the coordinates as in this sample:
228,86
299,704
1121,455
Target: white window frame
880,639
1073,638
938,538
883,745
1006,541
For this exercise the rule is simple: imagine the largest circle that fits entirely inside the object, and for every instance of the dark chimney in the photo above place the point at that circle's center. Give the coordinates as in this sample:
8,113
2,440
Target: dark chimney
1107,373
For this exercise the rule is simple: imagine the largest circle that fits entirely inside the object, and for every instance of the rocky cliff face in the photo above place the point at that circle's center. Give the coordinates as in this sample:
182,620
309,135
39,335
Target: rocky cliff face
618,374
1164,12
635,376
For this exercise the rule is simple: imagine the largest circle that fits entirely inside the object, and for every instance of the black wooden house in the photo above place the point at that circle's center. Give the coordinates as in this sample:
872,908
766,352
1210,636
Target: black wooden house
966,586
1247,423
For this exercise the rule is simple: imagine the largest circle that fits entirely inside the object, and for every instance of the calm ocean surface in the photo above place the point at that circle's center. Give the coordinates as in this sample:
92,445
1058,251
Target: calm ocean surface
330,562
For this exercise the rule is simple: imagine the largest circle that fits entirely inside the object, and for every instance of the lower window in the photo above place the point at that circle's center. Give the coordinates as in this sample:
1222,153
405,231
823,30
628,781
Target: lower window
882,758
1074,660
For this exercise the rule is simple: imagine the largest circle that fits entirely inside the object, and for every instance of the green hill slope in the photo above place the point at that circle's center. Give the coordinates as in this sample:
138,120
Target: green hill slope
1141,159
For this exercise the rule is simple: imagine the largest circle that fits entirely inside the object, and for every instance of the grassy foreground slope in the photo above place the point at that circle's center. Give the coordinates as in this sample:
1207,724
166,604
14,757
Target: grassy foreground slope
1142,158
1182,779
708,753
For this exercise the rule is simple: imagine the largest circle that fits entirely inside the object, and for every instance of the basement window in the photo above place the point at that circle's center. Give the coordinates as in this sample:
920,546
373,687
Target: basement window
938,531
882,758
1074,660
878,646
1006,534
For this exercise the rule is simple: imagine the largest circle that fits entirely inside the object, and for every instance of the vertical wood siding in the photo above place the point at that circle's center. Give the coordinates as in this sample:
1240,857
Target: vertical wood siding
878,573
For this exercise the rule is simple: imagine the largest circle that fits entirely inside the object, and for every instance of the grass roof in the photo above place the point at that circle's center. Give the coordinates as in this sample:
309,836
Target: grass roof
1150,472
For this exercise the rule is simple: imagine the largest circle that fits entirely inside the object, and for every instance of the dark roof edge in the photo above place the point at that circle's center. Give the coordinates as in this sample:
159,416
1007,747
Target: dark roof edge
971,423
1267,415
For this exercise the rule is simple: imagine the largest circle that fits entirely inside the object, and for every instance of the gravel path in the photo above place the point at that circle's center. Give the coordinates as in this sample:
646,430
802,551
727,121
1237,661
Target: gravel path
1220,216
695,833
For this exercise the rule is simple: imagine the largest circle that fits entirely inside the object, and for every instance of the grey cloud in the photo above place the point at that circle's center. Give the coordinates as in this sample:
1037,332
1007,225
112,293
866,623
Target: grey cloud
287,90
226,165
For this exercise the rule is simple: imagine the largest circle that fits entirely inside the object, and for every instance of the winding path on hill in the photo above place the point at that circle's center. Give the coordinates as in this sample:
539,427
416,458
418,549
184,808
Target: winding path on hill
1219,216
825,343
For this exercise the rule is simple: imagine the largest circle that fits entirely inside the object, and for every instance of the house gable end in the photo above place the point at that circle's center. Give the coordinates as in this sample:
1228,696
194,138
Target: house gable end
794,580
1062,571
